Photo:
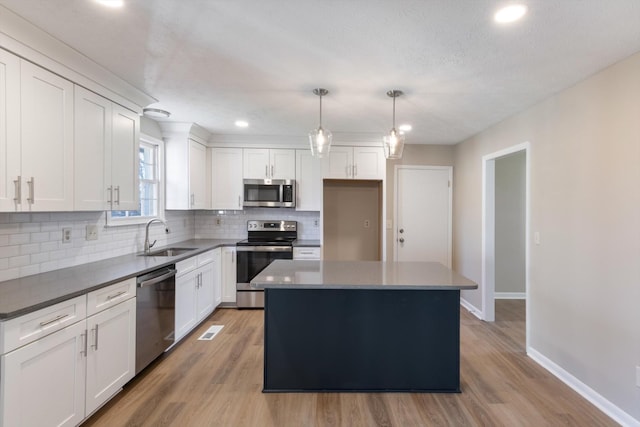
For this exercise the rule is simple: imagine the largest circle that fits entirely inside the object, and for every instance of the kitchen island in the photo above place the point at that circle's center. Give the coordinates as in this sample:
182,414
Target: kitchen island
361,326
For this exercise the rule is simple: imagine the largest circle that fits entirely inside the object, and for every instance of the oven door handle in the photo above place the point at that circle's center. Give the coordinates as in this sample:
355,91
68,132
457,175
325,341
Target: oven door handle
264,249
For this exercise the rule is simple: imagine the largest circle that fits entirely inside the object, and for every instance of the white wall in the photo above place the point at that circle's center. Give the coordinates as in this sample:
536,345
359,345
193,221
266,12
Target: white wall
585,203
510,190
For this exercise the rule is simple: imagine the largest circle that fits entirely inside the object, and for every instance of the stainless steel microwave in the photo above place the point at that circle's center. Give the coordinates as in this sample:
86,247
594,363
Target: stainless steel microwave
270,193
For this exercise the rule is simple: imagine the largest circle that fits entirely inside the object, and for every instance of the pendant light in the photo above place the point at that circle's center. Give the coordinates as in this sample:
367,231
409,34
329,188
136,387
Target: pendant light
320,139
393,143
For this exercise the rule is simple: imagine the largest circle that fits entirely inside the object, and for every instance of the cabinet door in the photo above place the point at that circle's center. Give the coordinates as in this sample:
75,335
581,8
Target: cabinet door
186,288
43,383
205,284
92,134
338,164
198,197
110,352
217,277
282,164
256,163
308,181
46,139
226,178
229,274
369,163
9,132
124,159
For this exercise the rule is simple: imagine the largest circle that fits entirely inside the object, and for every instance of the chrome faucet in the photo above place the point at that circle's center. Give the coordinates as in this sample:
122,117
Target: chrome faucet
147,245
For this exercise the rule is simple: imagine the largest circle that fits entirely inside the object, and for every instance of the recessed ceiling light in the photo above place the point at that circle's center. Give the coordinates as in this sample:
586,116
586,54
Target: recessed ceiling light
405,127
242,123
156,113
510,13
111,3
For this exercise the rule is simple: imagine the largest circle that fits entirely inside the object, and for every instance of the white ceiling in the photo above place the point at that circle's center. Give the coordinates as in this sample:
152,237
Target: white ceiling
214,61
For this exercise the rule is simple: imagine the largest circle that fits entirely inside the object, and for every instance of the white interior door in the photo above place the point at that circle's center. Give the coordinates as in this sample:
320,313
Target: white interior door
423,214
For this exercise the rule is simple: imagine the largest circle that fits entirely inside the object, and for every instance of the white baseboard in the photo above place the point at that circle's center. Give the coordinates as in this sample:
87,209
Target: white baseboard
510,295
617,414
471,308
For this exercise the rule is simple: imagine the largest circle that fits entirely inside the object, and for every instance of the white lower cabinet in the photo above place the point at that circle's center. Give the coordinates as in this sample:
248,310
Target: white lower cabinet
197,283
59,366
229,275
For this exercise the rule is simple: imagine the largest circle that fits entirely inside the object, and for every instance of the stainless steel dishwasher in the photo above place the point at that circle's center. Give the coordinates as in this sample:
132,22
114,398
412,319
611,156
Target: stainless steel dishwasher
155,315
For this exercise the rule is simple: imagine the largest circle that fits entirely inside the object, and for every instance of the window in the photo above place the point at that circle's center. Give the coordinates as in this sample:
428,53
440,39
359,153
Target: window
150,204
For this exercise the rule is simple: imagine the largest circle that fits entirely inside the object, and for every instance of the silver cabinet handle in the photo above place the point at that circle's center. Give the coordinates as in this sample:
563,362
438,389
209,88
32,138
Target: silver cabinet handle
95,340
32,197
110,297
83,348
110,196
401,240
271,171
117,190
193,199
62,316
266,171
18,190
239,201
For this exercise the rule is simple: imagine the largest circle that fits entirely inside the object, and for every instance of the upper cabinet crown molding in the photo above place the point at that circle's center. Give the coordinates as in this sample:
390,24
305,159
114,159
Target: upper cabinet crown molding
184,131
24,39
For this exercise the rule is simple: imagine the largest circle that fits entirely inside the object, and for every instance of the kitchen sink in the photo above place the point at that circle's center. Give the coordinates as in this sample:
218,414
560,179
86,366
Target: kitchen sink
170,252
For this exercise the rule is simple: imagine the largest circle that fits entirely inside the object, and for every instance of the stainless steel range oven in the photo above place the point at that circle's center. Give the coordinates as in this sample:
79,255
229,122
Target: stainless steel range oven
267,241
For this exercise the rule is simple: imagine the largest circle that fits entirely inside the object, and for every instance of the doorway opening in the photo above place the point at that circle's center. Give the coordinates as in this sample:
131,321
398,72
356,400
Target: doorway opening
505,229
352,220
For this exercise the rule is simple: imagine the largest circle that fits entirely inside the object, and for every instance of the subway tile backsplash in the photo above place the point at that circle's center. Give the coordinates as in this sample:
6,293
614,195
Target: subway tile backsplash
31,243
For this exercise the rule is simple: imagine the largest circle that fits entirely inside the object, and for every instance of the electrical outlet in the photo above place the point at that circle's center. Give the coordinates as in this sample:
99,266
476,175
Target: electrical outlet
367,223
218,221
66,235
92,232
316,222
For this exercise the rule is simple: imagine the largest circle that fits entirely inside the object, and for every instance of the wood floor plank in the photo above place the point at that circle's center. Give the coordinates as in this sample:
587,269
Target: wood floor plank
219,383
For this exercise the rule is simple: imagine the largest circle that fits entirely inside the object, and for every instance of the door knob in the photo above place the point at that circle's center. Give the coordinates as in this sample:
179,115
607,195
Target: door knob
401,240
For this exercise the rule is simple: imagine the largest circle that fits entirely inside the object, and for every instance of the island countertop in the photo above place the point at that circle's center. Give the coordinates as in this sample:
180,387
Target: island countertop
285,274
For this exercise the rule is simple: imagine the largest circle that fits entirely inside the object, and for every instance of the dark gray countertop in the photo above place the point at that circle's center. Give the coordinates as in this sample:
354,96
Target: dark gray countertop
360,275
30,293
306,243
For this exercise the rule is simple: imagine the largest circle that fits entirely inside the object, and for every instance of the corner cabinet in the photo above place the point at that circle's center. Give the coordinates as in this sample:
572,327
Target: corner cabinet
264,163
65,364
198,291
355,163
226,178
308,181
36,114
187,176
105,156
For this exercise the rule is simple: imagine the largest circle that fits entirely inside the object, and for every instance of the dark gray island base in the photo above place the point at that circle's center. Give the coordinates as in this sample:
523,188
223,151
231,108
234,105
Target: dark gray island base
394,327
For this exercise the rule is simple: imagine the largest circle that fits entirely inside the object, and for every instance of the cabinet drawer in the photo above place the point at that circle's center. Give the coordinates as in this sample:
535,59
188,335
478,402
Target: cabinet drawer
22,330
109,296
205,258
186,265
306,253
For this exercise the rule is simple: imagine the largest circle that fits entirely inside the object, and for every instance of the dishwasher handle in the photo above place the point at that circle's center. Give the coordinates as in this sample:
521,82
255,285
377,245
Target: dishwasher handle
152,281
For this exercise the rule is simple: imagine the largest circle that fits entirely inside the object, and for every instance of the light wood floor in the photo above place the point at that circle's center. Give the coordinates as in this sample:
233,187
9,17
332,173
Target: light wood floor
219,383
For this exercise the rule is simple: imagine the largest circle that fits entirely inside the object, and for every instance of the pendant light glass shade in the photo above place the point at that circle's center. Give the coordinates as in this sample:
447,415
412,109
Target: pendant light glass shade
320,139
393,144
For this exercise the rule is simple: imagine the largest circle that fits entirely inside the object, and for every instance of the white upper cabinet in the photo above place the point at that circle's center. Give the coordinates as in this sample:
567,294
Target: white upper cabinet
9,131
187,175
226,178
46,142
105,155
264,163
355,163
308,181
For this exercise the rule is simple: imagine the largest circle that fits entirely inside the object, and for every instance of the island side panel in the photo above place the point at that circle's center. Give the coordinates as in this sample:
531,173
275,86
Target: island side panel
362,340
